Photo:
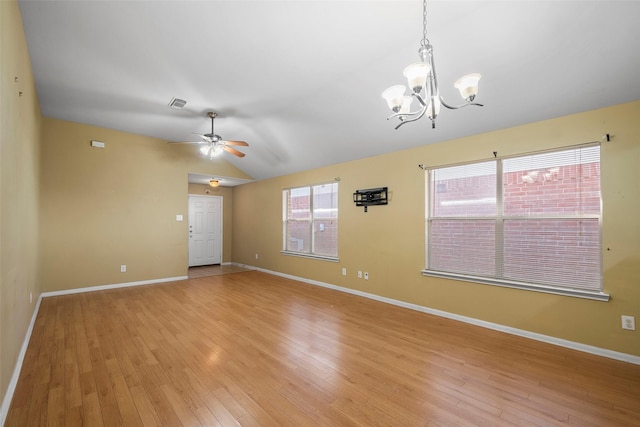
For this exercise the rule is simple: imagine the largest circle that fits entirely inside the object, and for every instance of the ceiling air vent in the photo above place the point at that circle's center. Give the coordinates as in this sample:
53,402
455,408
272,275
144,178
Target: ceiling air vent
177,103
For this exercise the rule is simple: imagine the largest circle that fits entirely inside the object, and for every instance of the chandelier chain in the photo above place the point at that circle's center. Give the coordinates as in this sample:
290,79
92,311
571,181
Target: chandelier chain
425,40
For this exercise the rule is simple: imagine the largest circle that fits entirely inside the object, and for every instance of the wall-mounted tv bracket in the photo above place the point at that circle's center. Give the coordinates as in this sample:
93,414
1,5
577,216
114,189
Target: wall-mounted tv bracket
371,197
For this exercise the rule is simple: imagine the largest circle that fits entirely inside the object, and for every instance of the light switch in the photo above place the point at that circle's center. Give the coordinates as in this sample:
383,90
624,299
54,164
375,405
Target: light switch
178,217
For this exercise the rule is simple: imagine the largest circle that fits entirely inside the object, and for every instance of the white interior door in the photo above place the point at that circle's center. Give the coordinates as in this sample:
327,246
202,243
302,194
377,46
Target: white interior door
205,230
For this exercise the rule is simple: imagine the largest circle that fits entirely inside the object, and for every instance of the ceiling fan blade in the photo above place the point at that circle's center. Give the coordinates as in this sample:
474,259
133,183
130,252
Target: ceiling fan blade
242,143
187,142
205,136
233,151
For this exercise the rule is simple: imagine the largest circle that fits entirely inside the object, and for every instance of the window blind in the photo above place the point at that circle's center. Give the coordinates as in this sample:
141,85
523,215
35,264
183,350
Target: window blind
533,219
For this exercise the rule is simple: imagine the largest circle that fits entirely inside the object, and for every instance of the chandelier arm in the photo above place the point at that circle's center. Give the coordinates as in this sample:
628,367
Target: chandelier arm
418,117
421,112
455,107
402,115
420,99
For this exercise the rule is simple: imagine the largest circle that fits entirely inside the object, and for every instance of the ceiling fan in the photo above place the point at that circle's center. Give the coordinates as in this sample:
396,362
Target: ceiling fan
215,144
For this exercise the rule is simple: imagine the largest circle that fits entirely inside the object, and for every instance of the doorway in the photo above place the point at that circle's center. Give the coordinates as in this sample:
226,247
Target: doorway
205,230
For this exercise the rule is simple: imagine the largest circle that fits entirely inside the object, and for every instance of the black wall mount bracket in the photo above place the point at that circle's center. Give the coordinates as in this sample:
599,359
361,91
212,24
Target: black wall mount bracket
371,197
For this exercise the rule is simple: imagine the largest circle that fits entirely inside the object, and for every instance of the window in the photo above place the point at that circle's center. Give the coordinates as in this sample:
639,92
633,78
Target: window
310,221
531,221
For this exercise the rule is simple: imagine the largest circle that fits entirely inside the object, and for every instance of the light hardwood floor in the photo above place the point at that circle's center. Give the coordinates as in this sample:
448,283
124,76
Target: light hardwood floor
214,270
255,349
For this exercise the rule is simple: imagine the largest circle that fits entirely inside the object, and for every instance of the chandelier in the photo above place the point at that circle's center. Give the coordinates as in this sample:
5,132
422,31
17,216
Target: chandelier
423,85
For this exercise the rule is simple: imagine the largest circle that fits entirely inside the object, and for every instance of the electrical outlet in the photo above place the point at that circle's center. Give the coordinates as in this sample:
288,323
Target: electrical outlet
366,276
344,271
123,268
359,274
30,297
257,256
629,323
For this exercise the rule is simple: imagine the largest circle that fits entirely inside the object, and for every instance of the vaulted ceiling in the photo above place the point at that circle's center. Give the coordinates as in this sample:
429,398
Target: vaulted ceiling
301,80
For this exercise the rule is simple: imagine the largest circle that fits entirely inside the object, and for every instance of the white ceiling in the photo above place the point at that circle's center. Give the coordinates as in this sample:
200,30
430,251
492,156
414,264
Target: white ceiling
301,80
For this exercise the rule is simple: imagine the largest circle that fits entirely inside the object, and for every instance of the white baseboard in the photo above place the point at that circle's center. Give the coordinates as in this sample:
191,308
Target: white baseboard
6,402
113,286
630,358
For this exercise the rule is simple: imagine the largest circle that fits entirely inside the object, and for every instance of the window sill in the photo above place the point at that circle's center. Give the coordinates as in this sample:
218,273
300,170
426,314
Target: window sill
594,295
312,256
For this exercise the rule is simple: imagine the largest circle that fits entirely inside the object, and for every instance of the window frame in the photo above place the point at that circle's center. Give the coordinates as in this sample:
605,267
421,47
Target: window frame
499,220
312,220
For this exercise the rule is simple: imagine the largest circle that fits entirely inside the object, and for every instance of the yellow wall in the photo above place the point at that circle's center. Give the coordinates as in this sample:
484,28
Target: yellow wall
388,241
19,138
101,208
227,213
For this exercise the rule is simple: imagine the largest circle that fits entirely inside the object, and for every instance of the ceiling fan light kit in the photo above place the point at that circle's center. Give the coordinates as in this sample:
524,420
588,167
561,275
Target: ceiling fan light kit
423,85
